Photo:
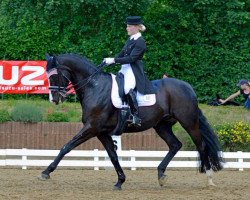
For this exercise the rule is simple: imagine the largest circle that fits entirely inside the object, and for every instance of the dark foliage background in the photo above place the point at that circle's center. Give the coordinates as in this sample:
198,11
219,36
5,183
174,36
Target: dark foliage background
204,42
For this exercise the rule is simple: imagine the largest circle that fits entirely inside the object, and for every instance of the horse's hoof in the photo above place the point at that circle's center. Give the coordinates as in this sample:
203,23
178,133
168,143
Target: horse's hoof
117,188
162,180
211,184
44,177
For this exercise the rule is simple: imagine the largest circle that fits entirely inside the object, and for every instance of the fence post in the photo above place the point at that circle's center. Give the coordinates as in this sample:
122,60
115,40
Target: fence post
96,158
240,160
132,159
24,158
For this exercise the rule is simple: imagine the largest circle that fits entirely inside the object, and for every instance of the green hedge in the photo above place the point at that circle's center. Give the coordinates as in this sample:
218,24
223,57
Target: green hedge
203,42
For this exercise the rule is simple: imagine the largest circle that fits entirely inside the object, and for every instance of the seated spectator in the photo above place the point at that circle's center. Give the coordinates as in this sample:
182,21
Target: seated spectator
244,90
165,75
156,83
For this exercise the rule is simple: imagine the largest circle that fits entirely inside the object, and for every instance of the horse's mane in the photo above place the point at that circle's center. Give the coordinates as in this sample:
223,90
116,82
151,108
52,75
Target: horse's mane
80,60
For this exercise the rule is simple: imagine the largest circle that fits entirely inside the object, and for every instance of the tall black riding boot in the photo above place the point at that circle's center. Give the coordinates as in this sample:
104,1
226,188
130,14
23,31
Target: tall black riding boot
123,115
133,104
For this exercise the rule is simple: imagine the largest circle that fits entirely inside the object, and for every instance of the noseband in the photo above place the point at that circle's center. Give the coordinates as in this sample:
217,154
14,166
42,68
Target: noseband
61,90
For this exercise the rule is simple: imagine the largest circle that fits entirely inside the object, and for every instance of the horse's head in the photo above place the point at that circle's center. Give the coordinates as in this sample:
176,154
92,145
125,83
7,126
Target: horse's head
58,78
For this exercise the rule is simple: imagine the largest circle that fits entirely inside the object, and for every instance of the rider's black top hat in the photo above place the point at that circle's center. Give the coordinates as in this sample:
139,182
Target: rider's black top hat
134,20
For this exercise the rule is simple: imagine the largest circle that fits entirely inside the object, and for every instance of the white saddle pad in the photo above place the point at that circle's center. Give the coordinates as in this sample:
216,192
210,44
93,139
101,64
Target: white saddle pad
143,100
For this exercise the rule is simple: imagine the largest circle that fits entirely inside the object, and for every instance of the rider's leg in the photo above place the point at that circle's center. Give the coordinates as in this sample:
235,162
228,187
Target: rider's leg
129,85
123,116
133,104
125,112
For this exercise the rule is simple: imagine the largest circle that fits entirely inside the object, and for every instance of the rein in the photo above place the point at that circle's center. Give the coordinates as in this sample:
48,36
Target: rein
62,90
99,68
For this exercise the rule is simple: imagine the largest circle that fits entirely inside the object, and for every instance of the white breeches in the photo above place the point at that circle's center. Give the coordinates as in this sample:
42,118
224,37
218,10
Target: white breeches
129,77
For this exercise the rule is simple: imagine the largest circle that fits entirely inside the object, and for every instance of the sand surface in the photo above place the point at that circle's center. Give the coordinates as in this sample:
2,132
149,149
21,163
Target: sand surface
140,185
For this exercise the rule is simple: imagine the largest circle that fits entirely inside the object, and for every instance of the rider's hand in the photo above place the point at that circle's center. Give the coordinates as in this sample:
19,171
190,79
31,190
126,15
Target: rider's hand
109,61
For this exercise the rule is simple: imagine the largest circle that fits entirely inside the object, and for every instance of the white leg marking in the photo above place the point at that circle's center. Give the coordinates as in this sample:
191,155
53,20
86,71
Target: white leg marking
209,174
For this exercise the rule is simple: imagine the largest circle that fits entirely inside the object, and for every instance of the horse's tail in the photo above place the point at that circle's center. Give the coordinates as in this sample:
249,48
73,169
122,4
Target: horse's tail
212,145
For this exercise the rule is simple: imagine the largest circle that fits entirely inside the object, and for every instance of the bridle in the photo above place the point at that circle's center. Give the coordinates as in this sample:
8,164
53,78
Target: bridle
63,90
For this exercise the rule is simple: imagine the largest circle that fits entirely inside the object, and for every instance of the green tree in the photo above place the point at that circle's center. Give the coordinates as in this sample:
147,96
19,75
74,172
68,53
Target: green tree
204,42
88,27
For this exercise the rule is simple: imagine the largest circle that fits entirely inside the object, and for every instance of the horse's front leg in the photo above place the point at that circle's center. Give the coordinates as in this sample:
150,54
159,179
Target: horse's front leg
108,144
166,133
84,134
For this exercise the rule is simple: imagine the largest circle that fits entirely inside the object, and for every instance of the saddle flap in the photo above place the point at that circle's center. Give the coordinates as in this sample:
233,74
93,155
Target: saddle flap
143,100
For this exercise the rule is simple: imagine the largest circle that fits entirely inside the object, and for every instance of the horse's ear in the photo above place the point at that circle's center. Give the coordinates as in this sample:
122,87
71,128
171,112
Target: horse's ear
47,56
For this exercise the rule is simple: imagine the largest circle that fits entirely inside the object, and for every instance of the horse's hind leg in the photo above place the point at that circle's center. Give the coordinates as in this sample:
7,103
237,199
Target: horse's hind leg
108,144
164,130
205,166
84,134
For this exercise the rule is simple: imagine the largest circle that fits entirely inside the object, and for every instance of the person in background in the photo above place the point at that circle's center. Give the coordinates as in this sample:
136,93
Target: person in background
156,83
165,75
244,90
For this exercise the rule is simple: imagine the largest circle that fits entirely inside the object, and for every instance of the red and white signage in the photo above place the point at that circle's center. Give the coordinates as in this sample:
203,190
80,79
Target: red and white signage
20,77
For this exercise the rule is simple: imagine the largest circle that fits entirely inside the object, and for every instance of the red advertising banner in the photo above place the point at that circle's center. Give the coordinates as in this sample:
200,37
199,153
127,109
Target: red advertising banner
21,77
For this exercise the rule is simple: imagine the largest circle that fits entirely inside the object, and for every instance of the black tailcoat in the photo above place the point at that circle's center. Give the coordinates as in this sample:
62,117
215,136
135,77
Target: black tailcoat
132,53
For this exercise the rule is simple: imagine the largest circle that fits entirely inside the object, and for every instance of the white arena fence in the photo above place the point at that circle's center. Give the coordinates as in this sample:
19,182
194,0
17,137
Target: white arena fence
97,159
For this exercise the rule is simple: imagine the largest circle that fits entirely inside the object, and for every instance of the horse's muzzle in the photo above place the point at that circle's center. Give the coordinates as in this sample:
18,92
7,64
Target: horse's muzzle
57,94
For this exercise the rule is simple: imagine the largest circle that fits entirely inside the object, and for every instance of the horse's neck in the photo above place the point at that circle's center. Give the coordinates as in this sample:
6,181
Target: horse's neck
79,68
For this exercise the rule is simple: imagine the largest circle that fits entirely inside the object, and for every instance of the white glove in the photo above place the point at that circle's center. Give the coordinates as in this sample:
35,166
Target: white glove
109,61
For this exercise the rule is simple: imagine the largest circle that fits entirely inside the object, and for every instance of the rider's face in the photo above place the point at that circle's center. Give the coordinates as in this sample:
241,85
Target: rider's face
132,29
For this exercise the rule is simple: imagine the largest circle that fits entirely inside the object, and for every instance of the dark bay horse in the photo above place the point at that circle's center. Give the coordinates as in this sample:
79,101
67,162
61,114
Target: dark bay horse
175,102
